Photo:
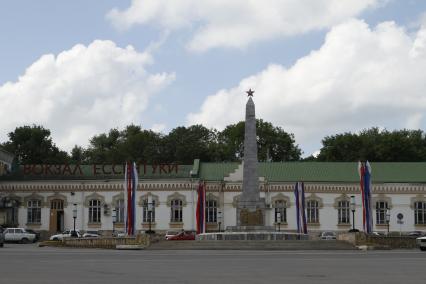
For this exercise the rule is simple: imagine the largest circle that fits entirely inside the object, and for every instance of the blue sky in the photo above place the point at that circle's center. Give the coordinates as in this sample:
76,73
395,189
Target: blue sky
315,72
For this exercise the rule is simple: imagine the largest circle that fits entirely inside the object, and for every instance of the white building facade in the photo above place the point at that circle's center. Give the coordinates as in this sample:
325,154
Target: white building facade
43,197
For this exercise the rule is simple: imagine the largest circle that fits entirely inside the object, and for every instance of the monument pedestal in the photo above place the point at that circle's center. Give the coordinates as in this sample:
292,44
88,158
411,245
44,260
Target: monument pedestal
251,212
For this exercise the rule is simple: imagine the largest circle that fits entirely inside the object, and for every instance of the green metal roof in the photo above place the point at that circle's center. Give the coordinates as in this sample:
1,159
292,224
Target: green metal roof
216,171
322,172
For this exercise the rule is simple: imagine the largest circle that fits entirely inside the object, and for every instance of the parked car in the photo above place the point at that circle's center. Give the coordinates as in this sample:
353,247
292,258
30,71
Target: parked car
183,236
328,235
170,234
18,235
91,234
1,237
118,234
37,234
378,234
65,234
415,234
421,243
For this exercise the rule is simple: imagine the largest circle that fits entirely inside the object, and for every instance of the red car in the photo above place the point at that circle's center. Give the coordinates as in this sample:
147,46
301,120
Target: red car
183,236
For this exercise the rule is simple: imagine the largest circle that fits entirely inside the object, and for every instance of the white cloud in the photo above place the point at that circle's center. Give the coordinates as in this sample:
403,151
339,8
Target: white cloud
158,127
81,92
238,23
359,78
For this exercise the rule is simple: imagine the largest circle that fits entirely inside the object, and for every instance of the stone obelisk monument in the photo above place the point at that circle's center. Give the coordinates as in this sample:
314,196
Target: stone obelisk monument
251,208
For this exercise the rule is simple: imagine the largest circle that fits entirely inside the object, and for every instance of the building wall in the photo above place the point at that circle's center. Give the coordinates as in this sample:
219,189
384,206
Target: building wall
399,197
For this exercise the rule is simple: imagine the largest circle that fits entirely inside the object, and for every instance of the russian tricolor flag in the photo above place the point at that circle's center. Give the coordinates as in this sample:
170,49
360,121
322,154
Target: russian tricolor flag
364,170
130,185
201,205
299,193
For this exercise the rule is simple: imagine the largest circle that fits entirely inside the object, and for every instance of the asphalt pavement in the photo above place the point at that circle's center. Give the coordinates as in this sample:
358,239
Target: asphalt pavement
20,263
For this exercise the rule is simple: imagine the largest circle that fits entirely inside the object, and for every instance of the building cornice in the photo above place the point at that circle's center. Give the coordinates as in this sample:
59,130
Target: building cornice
188,185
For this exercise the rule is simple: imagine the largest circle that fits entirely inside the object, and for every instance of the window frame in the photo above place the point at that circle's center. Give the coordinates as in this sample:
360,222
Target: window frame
119,210
211,211
420,212
34,211
312,211
95,210
281,207
381,212
343,212
176,211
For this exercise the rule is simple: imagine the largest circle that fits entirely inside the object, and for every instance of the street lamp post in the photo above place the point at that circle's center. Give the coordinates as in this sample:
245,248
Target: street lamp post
279,221
149,215
74,216
219,219
353,205
114,219
388,218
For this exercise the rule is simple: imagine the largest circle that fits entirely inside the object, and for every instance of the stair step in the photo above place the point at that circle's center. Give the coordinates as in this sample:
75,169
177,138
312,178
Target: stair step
252,245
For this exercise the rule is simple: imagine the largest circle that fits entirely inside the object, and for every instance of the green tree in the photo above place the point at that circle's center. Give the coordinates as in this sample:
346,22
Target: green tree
130,144
375,145
274,144
184,144
33,145
78,155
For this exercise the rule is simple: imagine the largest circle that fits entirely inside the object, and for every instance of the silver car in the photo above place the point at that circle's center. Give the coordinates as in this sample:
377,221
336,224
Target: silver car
328,235
421,242
19,235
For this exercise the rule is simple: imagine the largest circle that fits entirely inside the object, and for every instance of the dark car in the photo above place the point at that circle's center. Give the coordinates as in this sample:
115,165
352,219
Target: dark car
37,234
183,236
1,237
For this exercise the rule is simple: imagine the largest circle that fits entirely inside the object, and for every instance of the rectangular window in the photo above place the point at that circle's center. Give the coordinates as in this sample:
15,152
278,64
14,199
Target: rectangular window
176,210
420,213
280,207
119,211
34,212
312,211
211,211
381,209
94,211
343,212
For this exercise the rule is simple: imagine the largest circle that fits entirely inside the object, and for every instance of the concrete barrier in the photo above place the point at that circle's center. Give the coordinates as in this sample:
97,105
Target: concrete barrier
140,241
391,242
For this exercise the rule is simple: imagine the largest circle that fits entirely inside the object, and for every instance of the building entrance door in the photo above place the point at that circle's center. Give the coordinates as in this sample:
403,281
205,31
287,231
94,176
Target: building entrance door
56,223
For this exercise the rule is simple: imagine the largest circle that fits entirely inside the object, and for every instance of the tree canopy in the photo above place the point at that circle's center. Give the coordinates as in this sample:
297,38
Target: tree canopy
375,145
33,145
181,145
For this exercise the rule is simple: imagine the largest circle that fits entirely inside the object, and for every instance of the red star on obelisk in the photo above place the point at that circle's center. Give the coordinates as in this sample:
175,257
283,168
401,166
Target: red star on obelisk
250,92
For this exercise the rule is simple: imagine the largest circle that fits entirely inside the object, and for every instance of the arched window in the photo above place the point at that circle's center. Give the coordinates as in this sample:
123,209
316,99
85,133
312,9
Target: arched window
281,207
148,215
343,210
312,211
381,208
119,211
420,213
211,211
34,211
94,211
176,210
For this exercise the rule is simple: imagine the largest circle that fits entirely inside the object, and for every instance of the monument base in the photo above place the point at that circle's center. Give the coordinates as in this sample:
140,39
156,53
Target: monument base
251,213
252,236
250,229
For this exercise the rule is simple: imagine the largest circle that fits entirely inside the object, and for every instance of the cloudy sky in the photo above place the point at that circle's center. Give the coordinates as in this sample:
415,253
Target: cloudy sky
319,67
